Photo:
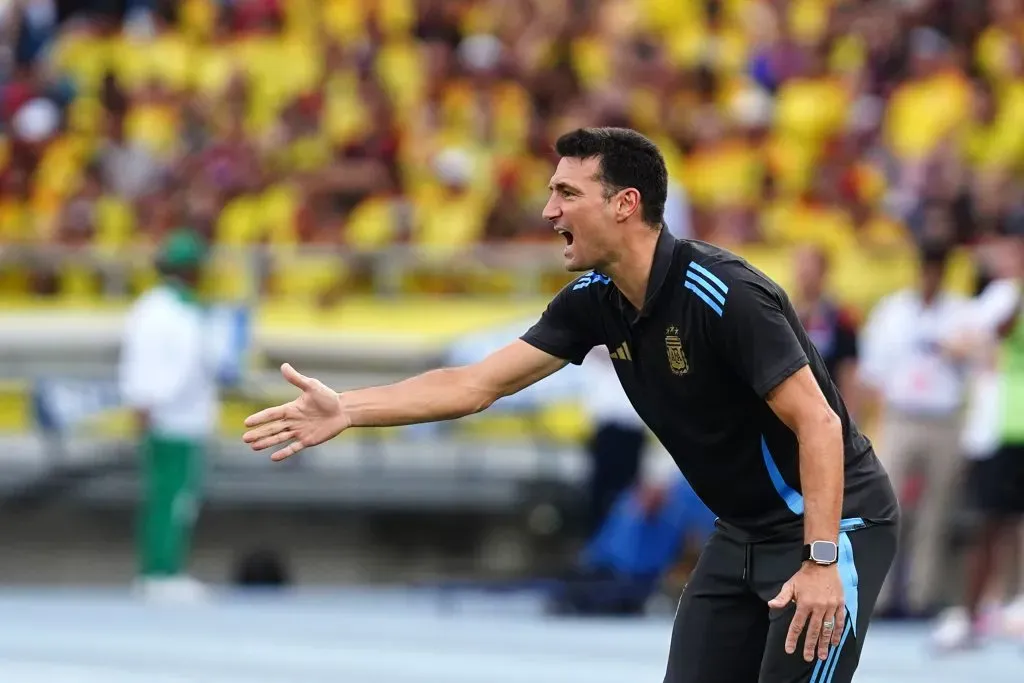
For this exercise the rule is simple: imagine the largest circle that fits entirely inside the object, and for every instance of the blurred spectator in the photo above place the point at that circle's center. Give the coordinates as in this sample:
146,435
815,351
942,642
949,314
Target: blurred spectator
830,327
993,342
921,391
167,378
644,535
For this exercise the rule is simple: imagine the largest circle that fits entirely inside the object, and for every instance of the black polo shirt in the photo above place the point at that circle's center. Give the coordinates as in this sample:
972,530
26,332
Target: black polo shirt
715,336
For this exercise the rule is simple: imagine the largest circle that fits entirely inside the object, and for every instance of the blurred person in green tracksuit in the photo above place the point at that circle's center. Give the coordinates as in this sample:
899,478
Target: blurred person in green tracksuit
167,378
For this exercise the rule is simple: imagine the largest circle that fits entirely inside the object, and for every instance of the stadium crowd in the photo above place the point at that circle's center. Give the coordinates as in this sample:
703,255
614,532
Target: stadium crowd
362,123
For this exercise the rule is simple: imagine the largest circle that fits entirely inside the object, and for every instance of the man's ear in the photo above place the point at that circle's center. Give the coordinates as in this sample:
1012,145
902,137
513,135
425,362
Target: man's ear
627,203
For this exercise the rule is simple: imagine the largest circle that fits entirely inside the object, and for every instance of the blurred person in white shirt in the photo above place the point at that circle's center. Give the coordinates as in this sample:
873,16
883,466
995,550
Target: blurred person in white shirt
617,443
921,391
994,344
168,378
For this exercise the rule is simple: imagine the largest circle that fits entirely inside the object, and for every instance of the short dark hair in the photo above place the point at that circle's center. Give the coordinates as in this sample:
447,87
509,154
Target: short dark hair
627,159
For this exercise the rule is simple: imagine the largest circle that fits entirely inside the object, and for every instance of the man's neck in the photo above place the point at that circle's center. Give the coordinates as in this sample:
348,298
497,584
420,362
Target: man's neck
632,270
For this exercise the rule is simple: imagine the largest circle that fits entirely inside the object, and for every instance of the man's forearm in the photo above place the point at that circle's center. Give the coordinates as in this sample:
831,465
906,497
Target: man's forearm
444,394
821,478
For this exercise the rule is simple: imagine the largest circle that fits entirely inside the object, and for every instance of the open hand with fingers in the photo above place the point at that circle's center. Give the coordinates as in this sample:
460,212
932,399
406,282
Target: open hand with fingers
314,417
818,594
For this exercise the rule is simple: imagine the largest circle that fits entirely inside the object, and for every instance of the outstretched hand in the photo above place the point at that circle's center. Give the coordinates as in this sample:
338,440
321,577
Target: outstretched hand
311,419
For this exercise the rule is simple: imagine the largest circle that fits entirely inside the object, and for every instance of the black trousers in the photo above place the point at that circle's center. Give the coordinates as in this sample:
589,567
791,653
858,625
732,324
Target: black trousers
725,633
615,452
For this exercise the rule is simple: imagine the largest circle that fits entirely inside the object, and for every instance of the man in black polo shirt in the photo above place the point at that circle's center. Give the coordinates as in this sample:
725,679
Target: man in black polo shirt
714,359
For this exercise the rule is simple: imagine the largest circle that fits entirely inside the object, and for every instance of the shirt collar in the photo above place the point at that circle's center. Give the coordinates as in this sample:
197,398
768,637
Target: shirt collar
664,252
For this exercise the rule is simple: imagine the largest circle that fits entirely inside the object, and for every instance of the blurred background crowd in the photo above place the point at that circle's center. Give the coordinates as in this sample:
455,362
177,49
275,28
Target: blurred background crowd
368,176
357,125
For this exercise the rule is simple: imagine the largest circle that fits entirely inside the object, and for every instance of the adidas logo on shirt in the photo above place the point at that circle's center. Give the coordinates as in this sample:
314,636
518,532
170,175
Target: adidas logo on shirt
621,353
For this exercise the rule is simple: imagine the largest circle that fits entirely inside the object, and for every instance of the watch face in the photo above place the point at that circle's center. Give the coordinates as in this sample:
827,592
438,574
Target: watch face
824,552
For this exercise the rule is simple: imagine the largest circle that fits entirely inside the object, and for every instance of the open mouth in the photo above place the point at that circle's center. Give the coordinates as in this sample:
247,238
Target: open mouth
565,234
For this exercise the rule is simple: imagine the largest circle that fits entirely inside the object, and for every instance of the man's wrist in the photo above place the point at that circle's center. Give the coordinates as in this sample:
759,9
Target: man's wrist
820,552
346,420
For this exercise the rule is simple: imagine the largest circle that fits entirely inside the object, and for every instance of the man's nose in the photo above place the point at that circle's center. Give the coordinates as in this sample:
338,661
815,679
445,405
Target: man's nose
551,211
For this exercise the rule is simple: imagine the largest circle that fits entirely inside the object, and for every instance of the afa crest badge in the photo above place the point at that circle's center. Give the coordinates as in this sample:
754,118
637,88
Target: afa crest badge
674,348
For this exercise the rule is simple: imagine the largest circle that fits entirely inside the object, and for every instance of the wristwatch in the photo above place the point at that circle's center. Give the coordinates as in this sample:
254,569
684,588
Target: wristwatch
821,552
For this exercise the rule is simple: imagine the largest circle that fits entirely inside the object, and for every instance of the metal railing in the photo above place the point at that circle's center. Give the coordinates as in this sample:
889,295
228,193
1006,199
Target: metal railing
527,269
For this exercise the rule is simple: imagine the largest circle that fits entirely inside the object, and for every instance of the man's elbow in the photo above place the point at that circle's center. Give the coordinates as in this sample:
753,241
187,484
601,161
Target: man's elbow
822,424
831,424
482,403
474,395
